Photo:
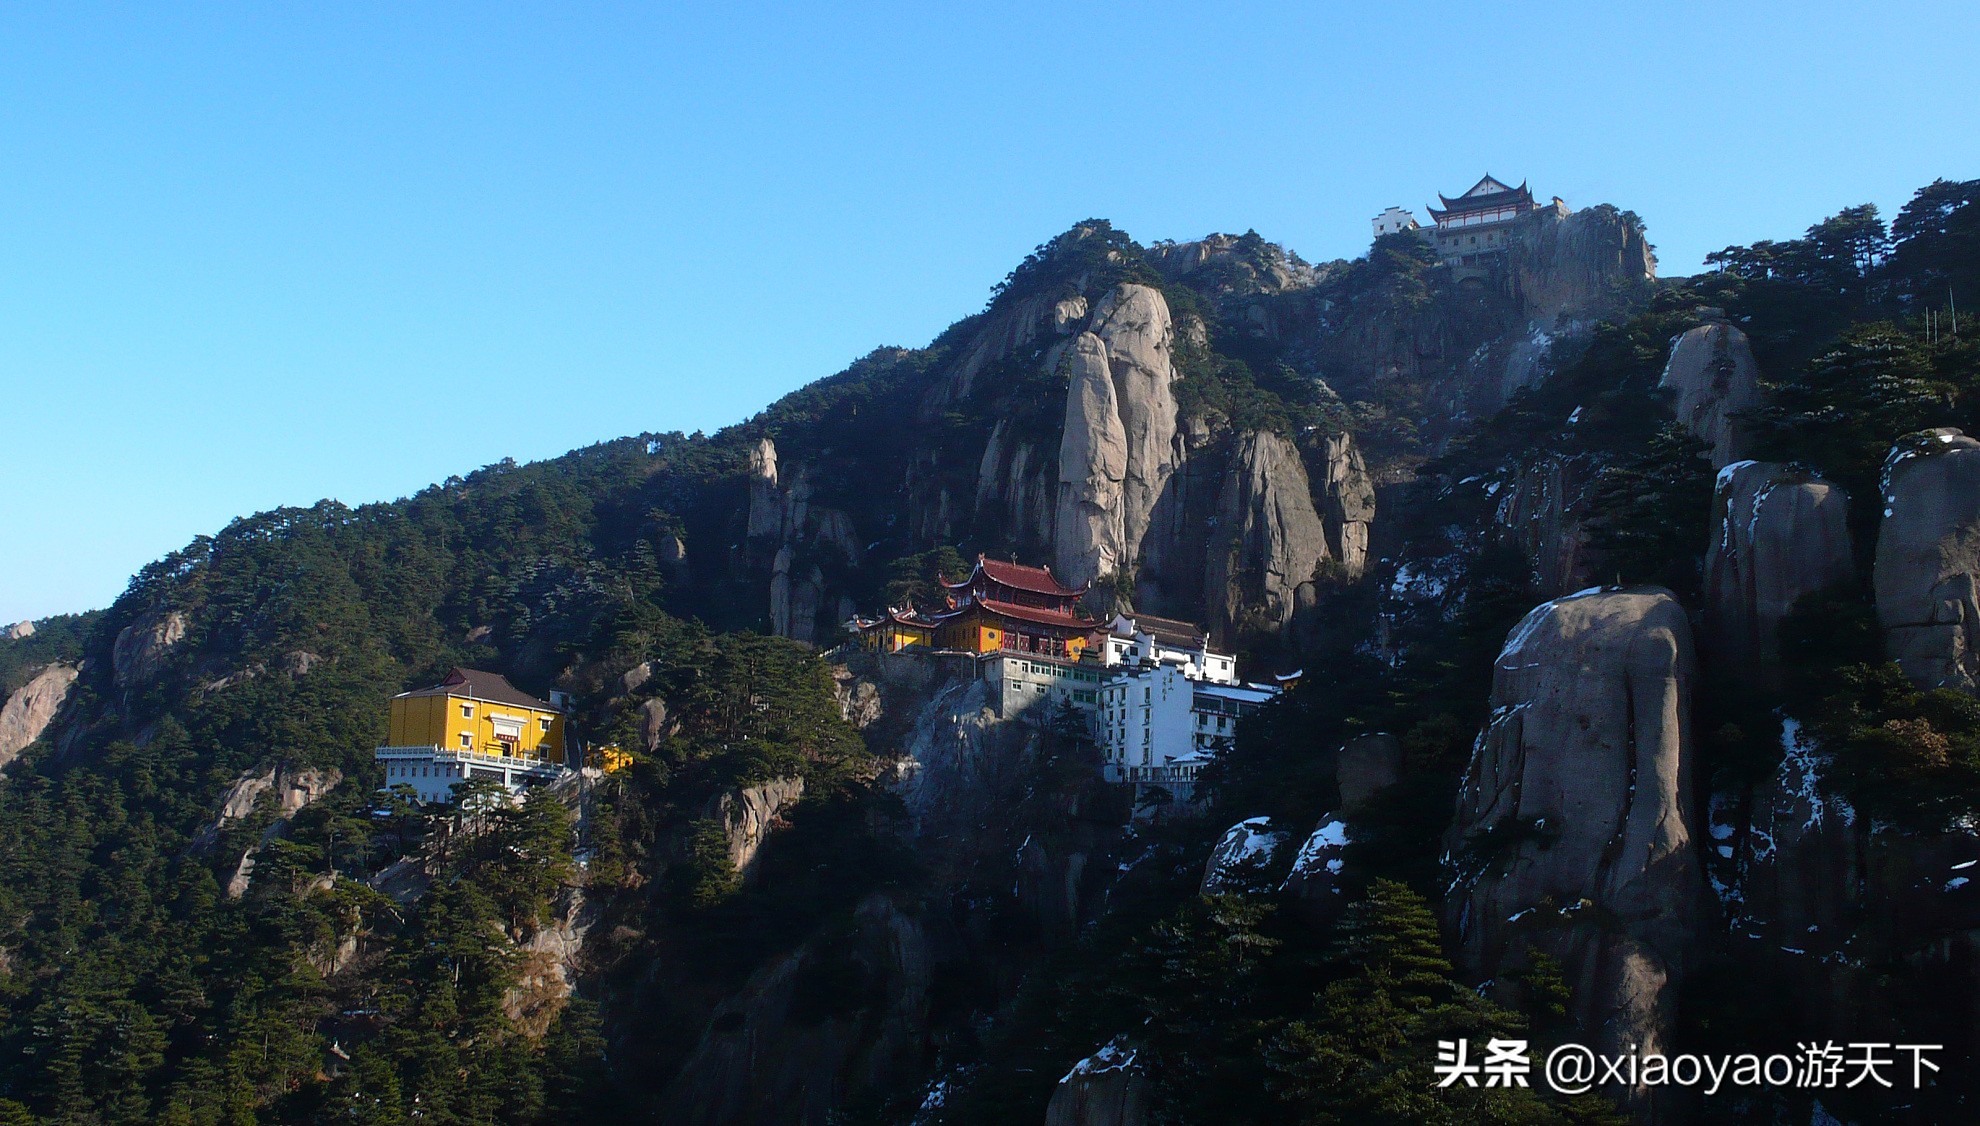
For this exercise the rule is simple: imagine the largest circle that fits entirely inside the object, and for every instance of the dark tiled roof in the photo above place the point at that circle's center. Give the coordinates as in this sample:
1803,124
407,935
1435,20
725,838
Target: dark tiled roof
475,684
1485,201
1170,631
1037,580
1035,615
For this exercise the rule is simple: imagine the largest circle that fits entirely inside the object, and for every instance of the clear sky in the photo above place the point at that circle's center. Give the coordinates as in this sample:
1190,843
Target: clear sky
259,254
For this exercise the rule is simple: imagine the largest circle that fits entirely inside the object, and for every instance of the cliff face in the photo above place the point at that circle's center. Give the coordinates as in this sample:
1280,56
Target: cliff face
1267,544
1574,830
1928,559
800,540
1080,420
28,712
1348,495
1461,348
1091,535
1585,264
1779,535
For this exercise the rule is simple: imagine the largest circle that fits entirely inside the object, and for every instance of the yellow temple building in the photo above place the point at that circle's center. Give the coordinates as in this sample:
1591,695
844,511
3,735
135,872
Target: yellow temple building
473,724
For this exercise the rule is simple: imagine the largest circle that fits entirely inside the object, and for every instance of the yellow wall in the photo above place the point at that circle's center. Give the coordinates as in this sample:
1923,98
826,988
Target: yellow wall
971,634
891,637
436,721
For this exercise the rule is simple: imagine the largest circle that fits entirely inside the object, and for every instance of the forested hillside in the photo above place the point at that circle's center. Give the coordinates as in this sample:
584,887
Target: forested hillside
836,889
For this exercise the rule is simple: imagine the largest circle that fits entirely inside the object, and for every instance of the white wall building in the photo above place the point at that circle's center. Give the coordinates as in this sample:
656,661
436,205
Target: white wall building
1146,639
1394,220
433,772
1158,727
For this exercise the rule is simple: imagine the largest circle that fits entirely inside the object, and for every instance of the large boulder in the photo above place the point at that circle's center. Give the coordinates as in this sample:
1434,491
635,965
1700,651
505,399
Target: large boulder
1367,765
1107,1088
1928,559
1777,534
28,712
1267,541
1316,868
1713,379
1573,827
1249,857
140,649
654,726
19,630
1093,463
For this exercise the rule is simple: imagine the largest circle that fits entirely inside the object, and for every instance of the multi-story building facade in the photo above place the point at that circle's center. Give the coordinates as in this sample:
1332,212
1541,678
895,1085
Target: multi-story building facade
1476,228
472,724
1158,727
1147,639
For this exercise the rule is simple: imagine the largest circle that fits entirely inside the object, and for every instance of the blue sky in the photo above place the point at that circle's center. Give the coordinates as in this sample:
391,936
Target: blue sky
257,254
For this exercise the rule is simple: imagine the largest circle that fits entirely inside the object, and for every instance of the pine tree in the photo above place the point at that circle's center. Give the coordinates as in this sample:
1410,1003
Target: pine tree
1842,413
1366,1054
1649,512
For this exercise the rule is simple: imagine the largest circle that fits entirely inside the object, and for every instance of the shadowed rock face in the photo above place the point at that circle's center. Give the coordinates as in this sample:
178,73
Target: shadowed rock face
1541,512
770,1055
748,813
1573,828
1366,766
29,711
1928,559
1778,534
1107,1088
1267,542
1712,374
1348,494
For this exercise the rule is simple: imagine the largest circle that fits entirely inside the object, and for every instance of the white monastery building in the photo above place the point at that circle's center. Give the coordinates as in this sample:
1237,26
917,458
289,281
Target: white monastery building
1171,705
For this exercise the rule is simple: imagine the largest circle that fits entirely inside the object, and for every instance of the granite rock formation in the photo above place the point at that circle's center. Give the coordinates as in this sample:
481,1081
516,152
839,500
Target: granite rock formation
28,712
1573,828
1777,535
1928,559
1267,542
1713,380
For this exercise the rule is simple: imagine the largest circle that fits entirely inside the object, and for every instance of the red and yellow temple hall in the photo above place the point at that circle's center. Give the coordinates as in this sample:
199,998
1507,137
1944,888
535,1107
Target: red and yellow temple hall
999,607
